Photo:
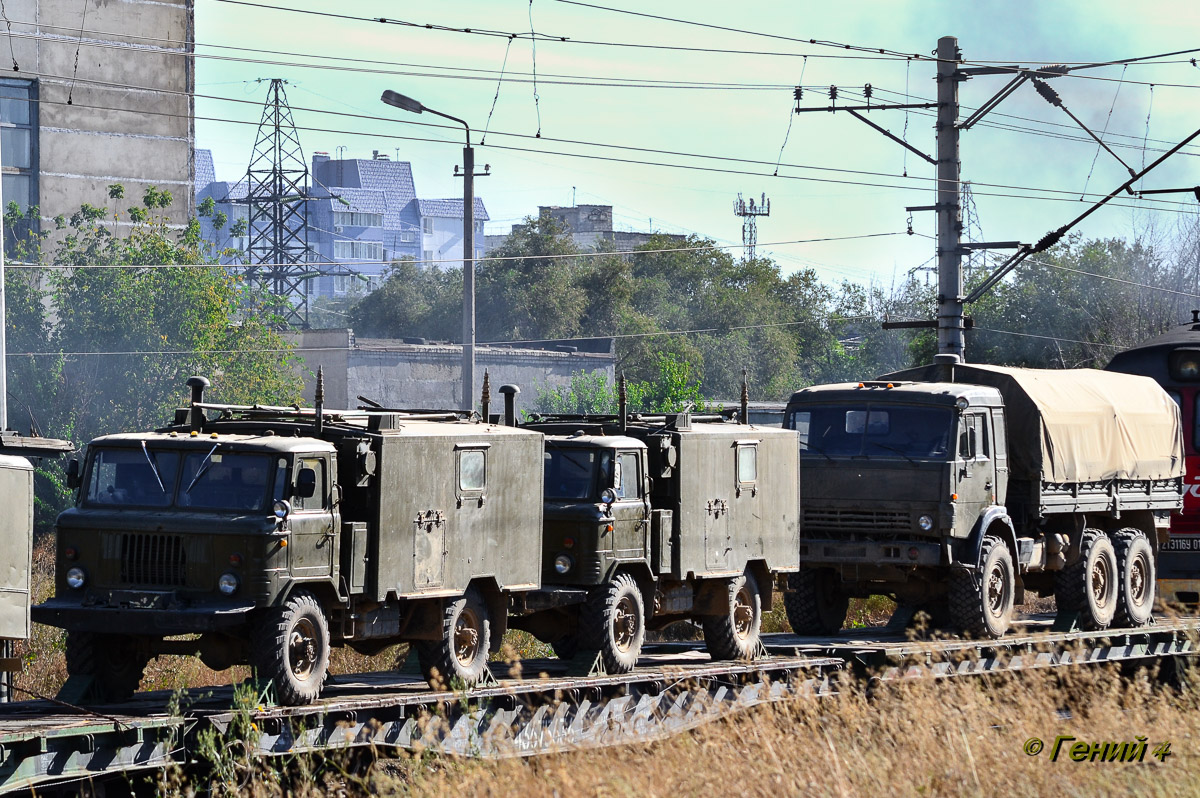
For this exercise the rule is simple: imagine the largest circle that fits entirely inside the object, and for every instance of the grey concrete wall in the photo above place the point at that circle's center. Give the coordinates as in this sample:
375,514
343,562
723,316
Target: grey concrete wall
396,374
130,118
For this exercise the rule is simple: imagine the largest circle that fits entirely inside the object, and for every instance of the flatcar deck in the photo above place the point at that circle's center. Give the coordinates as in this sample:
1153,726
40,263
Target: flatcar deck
534,706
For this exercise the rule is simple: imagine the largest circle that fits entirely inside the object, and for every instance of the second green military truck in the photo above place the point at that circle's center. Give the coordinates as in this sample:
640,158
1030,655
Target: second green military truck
653,519
266,535
959,488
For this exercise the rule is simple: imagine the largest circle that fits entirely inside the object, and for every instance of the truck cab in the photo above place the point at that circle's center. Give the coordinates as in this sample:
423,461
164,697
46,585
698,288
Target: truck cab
896,476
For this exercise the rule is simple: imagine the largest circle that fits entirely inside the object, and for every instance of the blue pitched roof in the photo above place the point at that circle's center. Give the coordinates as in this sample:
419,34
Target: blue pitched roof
223,190
205,171
356,200
450,208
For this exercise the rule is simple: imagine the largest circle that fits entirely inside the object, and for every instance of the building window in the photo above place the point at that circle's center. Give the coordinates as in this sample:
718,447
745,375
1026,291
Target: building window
427,225
349,219
18,140
407,236
358,250
427,255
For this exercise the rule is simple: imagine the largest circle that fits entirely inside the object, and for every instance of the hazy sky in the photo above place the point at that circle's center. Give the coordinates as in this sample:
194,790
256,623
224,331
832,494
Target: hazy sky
1018,148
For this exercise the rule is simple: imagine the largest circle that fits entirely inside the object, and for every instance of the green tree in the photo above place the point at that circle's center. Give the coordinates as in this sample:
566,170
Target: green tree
106,327
412,302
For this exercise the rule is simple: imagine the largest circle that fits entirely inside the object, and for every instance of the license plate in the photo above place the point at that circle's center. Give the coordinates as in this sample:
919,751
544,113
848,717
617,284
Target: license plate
1189,543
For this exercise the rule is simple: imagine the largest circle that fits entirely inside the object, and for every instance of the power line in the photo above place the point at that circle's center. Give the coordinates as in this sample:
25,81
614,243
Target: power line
1051,338
599,254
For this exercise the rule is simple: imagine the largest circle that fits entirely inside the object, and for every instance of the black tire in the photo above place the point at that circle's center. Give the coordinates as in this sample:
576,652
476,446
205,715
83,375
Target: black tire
565,647
815,603
290,649
1089,585
613,623
116,663
734,634
1135,566
981,602
460,657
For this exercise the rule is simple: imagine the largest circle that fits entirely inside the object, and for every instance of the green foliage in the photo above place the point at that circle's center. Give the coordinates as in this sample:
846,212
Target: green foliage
412,302
672,388
95,347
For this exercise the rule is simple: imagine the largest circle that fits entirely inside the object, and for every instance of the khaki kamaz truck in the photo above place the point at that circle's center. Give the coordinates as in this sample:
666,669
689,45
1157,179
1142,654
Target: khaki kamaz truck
959,488
653,519
266,535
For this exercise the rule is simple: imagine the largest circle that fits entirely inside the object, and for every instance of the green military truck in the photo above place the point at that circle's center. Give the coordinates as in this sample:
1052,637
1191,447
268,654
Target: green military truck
266,535
957,488
653,519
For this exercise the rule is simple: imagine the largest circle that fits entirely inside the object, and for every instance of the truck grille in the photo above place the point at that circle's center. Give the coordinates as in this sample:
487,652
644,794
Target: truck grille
158,560
822,519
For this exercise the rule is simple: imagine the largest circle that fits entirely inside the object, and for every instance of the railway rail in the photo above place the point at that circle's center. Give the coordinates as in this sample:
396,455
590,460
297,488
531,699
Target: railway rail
535,707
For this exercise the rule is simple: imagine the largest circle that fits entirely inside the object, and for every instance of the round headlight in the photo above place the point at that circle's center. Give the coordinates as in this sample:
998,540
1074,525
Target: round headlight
962,403
227,584
563,563
925,522
76,578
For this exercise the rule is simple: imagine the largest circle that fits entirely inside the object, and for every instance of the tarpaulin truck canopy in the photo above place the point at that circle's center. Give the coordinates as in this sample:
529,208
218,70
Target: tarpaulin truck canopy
1078,425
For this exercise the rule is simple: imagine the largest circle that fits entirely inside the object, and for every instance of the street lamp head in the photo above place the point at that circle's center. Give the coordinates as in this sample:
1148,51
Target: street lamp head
398,100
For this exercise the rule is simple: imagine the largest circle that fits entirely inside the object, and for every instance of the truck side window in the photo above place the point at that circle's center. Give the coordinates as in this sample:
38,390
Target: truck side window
471,466
281,485
984,448
628,482
747,464
320,498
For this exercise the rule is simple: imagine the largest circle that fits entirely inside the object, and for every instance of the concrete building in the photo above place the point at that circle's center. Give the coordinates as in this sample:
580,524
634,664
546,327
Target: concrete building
113,104
428,375
589,226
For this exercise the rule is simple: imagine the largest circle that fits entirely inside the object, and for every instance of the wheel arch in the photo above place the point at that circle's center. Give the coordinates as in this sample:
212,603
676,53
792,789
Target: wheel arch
996,522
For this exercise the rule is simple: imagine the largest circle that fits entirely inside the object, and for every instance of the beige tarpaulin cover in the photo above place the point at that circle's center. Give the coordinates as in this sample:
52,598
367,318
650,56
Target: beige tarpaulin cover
1080,425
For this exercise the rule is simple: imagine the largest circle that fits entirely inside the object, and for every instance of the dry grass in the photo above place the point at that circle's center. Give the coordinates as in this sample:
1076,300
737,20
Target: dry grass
963,737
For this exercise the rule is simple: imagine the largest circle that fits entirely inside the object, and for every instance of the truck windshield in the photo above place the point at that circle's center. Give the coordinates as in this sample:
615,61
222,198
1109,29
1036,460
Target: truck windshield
127,476
570,473
207,480
909,431
222,481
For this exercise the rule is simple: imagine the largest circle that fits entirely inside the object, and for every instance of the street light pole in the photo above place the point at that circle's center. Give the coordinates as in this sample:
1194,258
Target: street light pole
397,100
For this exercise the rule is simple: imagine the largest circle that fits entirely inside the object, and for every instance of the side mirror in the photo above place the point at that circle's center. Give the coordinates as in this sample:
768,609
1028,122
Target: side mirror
73,473
306,483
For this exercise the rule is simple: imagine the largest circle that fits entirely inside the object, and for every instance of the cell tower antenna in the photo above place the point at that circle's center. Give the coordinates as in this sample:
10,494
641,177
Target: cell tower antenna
277,196
750,213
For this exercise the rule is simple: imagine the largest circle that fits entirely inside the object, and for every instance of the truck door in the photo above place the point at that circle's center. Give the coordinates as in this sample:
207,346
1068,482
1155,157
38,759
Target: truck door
631,513
976,477
312,522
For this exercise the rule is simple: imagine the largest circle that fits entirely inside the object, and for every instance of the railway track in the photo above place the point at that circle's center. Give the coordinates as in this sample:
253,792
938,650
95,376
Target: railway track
535,707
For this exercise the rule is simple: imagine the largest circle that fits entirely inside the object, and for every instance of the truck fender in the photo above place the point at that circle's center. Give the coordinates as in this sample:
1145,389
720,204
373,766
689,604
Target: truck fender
993,518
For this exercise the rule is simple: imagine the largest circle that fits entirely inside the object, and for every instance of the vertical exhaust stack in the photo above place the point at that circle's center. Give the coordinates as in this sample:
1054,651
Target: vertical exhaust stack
485,398
197,384
319,399
510,404
744,417
623,404
945,366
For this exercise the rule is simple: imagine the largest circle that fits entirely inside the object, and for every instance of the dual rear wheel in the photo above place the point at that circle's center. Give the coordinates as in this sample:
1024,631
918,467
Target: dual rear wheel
1112,581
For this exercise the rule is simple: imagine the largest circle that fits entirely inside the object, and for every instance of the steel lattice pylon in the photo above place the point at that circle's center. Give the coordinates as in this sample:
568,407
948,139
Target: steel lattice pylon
750,213
277,195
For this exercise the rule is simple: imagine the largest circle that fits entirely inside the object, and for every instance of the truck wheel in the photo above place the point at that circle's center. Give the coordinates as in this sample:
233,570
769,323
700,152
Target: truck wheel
614,623
734,634
1135,564
115,662
461,655
291,649
981,603
1089,585
814,602
565,647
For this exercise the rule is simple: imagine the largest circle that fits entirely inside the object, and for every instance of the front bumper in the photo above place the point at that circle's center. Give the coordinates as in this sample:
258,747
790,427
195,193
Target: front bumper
207,617
871,552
